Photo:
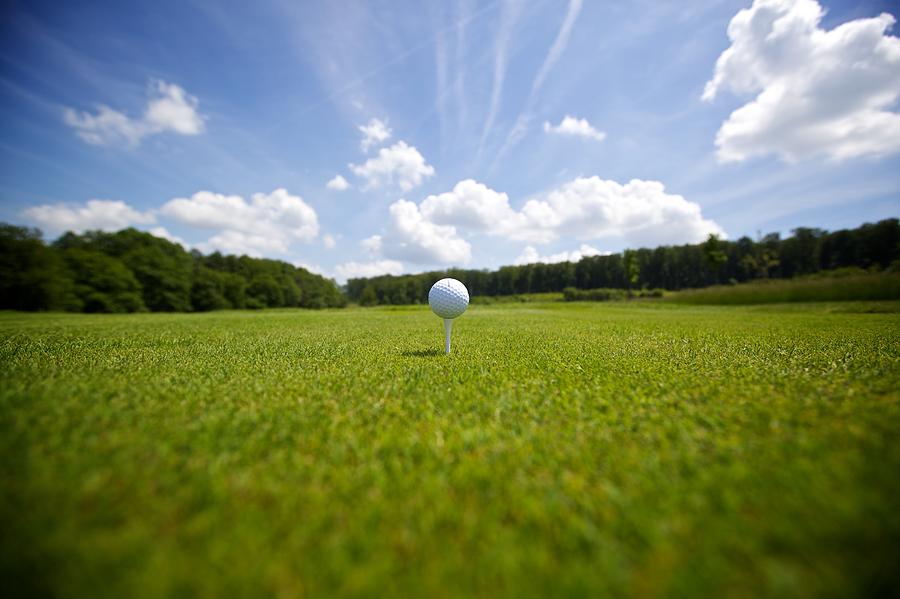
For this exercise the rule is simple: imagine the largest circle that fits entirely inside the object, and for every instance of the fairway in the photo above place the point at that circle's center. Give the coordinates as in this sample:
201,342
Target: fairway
562,449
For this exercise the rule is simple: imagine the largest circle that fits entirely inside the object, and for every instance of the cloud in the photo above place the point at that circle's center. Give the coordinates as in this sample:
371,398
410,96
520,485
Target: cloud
508,17
472,206
269,223
559,44
575,127
640,212
412,237
105,215
163,233
241,243
820,93
329,241
356,270
374,134
313,268
401,164
169,108
338,183
530,255
553,55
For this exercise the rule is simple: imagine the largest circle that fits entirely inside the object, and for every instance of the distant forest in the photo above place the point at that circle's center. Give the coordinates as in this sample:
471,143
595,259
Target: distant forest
133,271
713,262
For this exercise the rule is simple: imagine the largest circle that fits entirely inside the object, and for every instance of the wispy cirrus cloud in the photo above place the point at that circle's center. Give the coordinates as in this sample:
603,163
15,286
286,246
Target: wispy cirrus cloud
520,128
509,14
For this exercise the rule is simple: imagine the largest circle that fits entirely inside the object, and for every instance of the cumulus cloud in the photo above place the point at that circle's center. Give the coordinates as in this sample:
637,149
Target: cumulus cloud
329,241
313,268
268,223
374,134
105,215
338,183
530,255
163,233
819,92
410,236
355,270
473,206
169,108
399,164
575,127
640,212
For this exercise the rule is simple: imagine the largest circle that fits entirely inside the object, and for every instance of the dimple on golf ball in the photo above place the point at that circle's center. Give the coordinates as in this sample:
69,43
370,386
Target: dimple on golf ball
448,298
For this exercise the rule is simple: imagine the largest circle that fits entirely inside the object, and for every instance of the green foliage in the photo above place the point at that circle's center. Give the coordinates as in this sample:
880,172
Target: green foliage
571,294
168,279
583,450
264,290
32,276
102,283
851,284
713,262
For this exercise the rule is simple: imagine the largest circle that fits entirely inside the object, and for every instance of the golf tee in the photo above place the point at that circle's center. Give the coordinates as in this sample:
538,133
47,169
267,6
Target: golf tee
448,327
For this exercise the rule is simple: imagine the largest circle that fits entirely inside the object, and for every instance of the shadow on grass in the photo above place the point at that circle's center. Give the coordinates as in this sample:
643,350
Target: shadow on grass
422,353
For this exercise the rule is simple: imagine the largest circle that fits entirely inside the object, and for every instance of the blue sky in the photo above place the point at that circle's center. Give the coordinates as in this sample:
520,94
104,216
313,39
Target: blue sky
466,133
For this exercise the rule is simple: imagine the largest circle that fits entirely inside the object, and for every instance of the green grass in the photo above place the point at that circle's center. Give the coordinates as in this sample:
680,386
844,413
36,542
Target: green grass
563,449
858,287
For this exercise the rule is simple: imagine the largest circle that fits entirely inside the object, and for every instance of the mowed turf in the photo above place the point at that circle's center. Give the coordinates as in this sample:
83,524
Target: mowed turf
561,450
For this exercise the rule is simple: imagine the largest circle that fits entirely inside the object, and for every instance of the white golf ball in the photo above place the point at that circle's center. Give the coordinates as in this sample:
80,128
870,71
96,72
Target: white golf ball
448,298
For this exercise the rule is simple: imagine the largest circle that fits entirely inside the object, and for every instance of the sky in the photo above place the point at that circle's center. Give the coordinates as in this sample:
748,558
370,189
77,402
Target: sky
358,138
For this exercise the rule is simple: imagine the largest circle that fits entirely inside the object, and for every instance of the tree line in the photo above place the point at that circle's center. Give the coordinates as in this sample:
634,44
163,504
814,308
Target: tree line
134,271
713,262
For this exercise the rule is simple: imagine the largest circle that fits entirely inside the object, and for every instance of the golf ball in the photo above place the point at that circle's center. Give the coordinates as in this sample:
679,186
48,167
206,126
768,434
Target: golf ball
448,298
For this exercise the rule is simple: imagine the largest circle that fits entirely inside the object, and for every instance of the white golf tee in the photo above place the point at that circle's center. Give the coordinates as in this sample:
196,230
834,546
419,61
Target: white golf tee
448,326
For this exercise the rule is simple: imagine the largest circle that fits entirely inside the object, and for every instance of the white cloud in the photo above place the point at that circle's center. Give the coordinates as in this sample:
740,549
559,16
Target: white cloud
508,16
374,134
338,184
413,238
575,127
820,92
313,268
553,55
169,108
105,215
530,255
401,164
329,241
355,270
640,212
163,233
268,223
240,243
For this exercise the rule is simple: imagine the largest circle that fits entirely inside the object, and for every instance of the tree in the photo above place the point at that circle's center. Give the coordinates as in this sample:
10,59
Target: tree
32,276
103,283
632,268
713,251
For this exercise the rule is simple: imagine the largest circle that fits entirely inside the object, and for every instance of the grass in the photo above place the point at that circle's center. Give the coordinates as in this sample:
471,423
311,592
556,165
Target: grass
563,449
859,287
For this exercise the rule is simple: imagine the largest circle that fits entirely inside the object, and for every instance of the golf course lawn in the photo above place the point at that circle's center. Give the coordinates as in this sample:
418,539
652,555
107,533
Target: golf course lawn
562,449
